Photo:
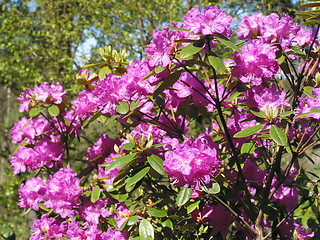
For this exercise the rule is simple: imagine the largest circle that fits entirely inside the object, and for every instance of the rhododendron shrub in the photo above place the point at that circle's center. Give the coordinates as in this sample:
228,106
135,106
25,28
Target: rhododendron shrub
208,148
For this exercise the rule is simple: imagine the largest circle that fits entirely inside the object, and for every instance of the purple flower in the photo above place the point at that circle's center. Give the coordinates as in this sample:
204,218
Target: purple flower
31,193
304,37
271,29
47,228
256,63
211,20
250,27
193,162
216,216
74,232
49,93
115,234
279,30
160,49
102,148
29,130
266,99
238,122
307,103
286,230
63,190
110,175
91,212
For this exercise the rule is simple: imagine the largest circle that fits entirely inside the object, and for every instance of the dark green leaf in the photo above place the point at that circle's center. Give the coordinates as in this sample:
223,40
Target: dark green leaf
136,178
156,163
120,161
249,131
187,52
157,213
146,230
229,44
278,135
119,197
90,120
217,63
183,196
95,194
54,110
166,83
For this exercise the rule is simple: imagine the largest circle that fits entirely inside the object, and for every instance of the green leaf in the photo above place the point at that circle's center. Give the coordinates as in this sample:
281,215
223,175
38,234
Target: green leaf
54,110
187,52
260,114
310,5
278,135
146,230
133,220
159,69
166,83
103,72
315,110
192,207
95,194
167,223
285,114
217,63
214,189
229,44
307,91
120,197
156,163
120,161
128,146
248,147
93,64
134,104
179,29
90,120
249,131
183,196
34,112
311,22
157,212
123,107
136,178
298,51
281,59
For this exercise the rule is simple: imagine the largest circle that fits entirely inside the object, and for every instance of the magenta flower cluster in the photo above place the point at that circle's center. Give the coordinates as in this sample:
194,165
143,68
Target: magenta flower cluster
193,163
